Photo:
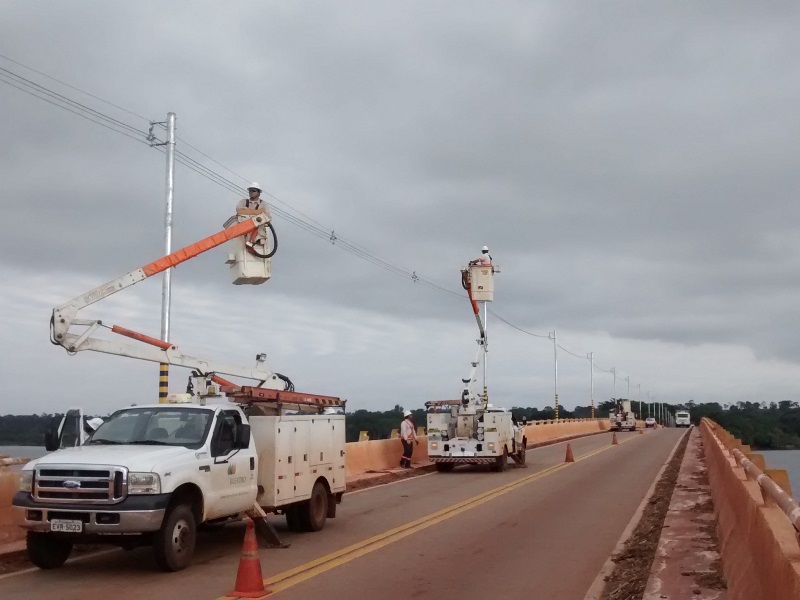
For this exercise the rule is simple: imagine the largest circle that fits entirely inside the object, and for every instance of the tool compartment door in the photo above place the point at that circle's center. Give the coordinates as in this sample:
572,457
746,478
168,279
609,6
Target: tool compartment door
300,459
338,482
285,467
321,443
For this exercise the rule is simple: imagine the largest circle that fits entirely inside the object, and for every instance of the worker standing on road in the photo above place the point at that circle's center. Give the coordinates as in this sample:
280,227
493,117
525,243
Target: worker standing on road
408,436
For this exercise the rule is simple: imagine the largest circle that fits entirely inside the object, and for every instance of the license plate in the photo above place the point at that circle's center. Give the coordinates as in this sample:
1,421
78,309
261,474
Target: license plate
66,526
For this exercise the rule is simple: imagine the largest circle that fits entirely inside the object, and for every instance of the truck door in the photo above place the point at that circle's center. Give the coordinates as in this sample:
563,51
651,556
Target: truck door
233,468
302,468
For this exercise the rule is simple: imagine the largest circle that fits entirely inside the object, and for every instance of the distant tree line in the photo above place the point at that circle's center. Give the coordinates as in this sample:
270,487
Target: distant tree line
766,426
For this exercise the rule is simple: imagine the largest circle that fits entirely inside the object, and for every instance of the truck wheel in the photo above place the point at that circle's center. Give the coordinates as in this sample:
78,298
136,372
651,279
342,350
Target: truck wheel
292,514
502,461
47,551
314,511
173,544
445,467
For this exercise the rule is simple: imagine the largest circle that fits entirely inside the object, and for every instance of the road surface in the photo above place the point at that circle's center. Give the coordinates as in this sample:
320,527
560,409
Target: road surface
539,532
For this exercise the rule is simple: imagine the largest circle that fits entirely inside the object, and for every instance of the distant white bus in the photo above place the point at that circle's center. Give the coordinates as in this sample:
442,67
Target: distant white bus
682,418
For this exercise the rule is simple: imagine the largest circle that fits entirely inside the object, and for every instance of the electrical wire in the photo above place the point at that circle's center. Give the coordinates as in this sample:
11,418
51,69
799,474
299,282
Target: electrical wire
303,222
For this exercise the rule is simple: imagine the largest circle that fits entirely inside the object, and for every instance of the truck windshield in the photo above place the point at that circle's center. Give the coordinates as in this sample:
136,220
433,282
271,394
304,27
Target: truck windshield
166,426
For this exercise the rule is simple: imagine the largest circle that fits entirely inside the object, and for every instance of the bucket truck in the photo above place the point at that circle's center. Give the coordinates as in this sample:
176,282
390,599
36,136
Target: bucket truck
622,416
471,430
150,474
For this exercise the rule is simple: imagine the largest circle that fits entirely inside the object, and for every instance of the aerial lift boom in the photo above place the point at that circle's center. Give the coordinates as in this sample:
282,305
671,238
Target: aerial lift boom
64,316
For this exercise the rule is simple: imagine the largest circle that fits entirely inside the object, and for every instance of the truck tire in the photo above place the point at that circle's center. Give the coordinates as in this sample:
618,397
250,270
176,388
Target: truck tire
173,544
445,467
314,511
502,461
46,550
292,514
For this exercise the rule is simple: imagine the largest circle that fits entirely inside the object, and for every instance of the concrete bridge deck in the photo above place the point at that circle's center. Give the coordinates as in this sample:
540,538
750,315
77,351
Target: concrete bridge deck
540,532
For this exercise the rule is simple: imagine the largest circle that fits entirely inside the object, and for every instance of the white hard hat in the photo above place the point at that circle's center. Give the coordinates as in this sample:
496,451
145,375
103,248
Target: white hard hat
95,422
485,249
254,186
407,414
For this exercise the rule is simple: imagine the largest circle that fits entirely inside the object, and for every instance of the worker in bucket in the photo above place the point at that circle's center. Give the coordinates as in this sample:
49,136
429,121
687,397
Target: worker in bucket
253,202
408,435
485,259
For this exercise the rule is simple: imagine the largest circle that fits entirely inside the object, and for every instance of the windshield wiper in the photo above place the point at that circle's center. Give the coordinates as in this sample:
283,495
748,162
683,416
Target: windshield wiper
148,442
104,442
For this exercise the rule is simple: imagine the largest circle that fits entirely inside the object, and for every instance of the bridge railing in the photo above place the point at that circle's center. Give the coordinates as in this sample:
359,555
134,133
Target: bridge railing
757,519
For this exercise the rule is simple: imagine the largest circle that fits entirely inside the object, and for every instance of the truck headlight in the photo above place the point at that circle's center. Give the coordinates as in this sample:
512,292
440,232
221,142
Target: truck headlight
144,483
26,481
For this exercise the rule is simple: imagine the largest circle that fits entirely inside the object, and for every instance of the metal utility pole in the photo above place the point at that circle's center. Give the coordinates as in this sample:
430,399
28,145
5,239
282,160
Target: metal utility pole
166,285
628,379
485,351
640,399
555,372
591,380
614,373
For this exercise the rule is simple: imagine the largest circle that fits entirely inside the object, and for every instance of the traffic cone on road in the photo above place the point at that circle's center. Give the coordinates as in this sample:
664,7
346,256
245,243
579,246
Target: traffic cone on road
641,432
614,441
569,458
249,581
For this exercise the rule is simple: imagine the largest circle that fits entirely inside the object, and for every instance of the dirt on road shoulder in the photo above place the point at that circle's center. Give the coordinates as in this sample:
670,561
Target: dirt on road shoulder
632,564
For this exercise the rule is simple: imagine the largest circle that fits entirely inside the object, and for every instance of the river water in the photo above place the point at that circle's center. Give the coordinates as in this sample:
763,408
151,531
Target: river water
789,460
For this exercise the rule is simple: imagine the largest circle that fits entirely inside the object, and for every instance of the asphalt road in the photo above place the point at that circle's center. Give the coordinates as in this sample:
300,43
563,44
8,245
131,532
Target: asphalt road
539,532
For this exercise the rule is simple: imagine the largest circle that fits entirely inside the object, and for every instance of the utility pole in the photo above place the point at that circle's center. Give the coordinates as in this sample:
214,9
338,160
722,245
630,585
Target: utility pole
555,371
640,399
485,352
591,380
166,284
614,373
628,379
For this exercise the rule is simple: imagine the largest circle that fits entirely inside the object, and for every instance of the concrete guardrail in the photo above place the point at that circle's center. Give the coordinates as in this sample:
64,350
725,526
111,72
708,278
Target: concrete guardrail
757,519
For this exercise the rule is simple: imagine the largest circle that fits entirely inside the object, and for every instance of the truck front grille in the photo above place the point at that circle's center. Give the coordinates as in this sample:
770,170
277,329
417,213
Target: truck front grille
79,484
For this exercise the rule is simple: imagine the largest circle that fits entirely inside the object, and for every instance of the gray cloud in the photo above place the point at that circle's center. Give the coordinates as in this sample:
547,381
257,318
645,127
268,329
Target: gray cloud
632,168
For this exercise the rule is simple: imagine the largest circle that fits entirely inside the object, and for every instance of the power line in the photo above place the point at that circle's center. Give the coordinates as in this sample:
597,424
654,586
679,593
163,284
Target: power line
303,221
72,87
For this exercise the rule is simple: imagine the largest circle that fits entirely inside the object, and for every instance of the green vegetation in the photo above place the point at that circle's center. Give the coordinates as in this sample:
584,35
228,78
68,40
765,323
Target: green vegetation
24,430
766,426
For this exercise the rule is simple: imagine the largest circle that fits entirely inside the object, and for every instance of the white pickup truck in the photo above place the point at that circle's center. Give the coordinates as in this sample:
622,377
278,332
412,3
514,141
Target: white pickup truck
151,474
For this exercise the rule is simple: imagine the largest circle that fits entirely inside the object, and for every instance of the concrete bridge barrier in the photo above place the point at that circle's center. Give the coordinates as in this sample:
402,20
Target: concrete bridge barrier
758,540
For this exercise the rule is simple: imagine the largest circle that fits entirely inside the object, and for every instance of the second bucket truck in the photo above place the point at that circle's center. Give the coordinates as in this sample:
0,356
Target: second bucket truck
471,431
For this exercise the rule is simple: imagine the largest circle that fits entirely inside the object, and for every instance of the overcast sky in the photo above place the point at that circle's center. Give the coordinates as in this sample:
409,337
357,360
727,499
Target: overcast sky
632,166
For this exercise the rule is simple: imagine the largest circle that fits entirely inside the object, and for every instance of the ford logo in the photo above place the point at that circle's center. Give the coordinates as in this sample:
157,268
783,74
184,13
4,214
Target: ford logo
71,485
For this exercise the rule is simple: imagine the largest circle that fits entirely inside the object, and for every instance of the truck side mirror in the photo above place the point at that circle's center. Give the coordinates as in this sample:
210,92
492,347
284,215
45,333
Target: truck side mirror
244,436
51,441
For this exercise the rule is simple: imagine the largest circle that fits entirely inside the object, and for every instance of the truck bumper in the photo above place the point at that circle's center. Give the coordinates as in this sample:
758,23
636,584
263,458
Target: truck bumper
464,460
135,514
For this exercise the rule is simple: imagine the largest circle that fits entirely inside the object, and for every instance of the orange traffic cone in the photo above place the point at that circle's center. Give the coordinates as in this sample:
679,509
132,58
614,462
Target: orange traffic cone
569,458
249,581
614,441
